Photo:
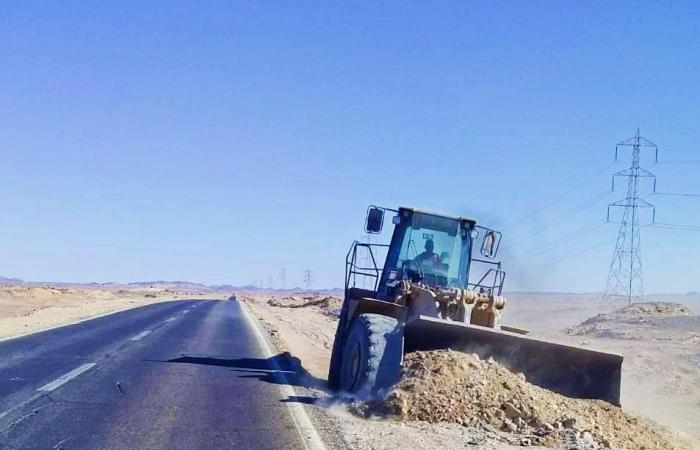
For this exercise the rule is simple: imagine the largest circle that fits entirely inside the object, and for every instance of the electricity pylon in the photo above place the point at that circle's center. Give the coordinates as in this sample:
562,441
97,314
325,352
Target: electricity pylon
308,279
625,280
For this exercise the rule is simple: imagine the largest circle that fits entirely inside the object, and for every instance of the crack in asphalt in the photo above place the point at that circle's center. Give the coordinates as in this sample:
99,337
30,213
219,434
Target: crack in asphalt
35,411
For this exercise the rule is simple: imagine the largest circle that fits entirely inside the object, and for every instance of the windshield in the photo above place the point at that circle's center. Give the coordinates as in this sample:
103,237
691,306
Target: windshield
435,251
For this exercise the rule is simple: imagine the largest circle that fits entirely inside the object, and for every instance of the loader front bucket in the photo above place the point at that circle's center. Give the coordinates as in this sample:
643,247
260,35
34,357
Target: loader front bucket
570,371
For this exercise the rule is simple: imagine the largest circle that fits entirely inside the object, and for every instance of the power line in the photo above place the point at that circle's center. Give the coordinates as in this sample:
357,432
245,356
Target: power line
557,220
580,252
553,245
560,197
671,226
680,161
676,194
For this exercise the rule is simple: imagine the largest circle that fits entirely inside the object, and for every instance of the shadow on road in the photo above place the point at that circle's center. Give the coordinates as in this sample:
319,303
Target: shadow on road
301,399
279,369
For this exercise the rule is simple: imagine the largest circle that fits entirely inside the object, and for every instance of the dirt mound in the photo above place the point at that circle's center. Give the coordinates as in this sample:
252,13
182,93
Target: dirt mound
34,291
448,386
630,321
641,312
329,304
50,292
663,309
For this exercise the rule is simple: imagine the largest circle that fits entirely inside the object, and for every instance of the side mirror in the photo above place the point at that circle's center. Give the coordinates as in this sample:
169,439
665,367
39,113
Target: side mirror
375,220
489,247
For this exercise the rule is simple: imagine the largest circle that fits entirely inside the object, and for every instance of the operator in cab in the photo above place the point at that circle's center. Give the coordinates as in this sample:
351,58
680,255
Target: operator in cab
429,256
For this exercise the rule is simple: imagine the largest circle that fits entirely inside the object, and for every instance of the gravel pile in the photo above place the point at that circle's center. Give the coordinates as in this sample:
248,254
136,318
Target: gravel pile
448,386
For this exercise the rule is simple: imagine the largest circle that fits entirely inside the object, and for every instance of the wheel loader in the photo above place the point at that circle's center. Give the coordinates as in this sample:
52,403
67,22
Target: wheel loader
440,286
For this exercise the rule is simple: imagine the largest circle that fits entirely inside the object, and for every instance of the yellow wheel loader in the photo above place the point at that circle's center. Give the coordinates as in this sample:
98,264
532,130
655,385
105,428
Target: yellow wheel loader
440,287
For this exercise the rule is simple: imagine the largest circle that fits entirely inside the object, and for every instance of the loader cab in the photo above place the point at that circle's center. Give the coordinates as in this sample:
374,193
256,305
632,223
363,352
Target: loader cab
427,248
432,249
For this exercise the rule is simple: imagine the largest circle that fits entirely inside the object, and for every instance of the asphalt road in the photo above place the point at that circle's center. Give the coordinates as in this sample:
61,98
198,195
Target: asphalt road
175,375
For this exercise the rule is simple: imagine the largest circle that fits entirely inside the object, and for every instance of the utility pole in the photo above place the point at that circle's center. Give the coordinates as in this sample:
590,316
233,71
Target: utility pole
625,279
308,279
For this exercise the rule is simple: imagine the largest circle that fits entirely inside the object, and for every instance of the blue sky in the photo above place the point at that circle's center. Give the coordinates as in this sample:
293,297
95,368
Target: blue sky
222,141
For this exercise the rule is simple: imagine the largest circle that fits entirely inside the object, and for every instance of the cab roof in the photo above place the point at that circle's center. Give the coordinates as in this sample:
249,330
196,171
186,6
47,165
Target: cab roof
414,210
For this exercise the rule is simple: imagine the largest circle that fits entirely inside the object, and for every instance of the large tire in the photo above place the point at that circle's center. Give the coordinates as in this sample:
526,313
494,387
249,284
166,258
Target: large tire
336,359
372,355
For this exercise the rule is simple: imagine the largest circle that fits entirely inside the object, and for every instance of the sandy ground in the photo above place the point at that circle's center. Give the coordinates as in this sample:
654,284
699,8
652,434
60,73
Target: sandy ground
29,308
661,373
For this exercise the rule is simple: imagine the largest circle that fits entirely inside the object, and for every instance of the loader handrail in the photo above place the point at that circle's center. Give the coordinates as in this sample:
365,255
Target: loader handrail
352,269
492,280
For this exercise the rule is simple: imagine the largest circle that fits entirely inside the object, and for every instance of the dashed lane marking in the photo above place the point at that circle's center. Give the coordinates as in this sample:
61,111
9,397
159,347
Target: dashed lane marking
63,379
140,336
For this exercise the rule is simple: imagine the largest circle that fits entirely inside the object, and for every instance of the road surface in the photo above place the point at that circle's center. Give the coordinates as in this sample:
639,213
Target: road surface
174,375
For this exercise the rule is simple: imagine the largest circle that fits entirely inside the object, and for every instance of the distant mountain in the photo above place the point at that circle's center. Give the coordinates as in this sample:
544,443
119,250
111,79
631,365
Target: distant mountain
247,287
6,280
184,286
223,287
173,285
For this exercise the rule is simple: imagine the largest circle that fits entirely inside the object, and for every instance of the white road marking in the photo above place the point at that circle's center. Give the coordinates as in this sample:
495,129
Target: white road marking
171,319
21,405
140,336
270,371
309,435
185,311
63,379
